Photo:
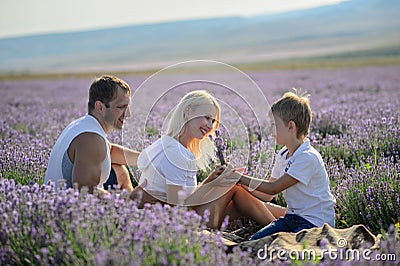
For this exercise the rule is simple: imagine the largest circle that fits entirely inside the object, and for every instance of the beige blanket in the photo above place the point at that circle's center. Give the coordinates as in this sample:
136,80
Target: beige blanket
315,243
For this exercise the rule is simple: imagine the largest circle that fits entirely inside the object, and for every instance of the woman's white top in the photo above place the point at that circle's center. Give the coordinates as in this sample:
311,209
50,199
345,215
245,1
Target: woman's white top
167,162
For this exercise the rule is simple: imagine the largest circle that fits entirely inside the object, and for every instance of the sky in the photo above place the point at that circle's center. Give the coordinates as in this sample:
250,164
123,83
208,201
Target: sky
28,17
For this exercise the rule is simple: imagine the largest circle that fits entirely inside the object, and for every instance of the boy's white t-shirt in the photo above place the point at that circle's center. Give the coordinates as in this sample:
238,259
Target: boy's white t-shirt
167,161
311,197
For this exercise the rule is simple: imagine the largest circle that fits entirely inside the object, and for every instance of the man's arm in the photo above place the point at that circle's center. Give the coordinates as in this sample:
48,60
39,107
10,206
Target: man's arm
88,152
123,156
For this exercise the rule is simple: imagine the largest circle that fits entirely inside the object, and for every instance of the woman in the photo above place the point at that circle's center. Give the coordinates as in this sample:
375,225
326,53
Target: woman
170,164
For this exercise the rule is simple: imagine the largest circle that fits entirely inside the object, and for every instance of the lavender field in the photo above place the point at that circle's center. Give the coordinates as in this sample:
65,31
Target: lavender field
356,124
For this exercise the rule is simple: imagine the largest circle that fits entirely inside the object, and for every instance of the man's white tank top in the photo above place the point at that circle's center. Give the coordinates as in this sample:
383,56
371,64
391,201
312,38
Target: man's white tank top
84,124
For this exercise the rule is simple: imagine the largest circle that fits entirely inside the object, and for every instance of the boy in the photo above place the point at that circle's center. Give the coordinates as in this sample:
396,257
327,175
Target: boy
299,171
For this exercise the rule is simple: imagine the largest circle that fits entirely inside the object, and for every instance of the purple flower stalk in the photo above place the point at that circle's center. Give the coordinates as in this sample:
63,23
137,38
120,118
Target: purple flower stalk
220,145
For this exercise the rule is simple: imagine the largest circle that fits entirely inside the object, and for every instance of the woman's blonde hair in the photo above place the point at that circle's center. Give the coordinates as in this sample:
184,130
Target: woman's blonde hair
204,149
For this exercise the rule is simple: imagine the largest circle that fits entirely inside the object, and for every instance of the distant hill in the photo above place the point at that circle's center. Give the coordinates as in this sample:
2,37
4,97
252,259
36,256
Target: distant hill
347,27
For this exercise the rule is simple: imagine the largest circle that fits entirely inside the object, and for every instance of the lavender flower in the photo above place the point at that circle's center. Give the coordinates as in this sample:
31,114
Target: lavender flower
220,145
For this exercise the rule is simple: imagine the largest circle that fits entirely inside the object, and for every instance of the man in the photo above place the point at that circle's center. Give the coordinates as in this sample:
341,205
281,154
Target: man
82,153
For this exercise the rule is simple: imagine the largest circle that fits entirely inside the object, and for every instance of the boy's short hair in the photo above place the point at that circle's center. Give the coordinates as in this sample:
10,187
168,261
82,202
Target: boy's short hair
294,107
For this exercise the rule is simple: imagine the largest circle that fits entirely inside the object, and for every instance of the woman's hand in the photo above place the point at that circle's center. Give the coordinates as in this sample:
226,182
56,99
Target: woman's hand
219,169
226,175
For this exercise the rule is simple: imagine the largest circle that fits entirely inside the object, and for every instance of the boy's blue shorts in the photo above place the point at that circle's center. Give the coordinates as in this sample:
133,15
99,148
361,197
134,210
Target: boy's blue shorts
289,223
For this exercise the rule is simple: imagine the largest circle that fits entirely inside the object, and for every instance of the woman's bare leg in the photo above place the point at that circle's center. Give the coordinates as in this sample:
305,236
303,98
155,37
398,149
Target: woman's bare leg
276,210
249,206
234,203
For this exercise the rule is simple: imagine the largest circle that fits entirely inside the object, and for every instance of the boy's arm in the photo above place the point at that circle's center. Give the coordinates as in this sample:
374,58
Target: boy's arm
271,188
261,195
123,155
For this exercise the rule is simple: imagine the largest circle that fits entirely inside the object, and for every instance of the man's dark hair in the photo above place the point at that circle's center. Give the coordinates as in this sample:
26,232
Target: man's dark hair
104,89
